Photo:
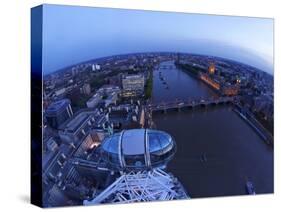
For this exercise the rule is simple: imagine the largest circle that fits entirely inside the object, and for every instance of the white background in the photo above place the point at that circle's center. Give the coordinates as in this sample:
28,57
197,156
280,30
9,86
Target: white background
15,102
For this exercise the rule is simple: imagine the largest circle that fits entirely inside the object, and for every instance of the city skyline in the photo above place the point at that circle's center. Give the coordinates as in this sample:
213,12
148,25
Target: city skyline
150,106
80,38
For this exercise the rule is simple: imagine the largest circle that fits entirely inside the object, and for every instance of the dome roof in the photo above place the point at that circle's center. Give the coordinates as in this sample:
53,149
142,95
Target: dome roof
138,148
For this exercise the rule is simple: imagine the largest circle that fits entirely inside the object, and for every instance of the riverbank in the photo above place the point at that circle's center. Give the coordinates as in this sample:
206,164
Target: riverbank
194,72
149,86
259,129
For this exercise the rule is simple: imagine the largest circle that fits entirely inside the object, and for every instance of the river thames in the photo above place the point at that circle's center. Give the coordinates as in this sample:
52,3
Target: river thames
217,152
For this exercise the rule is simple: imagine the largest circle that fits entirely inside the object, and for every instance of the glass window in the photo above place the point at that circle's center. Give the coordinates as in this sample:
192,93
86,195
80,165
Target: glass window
106,143
165,140
113,158
153,141
134,160
113,147
154,158
160,146
168,148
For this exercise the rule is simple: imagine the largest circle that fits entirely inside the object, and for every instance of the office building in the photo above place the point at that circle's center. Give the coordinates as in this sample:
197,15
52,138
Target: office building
58,113
133,85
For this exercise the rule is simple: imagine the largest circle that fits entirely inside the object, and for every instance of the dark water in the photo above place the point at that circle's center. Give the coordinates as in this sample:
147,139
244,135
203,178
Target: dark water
181,86
232,150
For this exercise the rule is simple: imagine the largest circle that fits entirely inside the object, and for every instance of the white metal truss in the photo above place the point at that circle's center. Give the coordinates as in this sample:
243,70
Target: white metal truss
141,186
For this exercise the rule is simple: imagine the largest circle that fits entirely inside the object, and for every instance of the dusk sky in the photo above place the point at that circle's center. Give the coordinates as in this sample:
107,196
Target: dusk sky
75,34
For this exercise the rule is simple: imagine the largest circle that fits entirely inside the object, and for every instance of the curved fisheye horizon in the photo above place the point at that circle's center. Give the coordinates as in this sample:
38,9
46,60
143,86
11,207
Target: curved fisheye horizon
268,68
72,35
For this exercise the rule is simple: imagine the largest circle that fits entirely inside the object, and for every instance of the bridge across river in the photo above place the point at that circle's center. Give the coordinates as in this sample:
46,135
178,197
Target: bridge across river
190,103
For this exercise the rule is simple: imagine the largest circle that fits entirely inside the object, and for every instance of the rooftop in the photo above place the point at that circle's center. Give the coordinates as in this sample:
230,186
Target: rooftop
77,121
55,106
135,76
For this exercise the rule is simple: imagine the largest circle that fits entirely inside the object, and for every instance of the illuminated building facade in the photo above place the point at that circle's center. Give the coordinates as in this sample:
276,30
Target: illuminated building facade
214,84
133,85
212,68
230,90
